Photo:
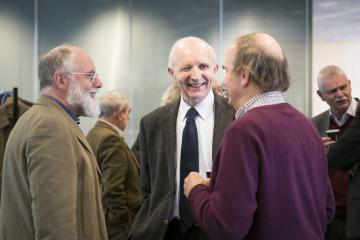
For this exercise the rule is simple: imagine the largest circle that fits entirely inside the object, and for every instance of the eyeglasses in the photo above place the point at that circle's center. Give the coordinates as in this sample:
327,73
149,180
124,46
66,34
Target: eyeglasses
92,76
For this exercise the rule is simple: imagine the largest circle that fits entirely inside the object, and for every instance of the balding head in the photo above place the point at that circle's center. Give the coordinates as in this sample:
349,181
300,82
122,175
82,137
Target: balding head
192,66
328,73
269,45
187,45
61,58
262,56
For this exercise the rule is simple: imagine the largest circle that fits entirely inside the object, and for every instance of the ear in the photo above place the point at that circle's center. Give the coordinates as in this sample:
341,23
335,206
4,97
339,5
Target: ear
59,80
320,95
216,68
171,73
119,115
245,78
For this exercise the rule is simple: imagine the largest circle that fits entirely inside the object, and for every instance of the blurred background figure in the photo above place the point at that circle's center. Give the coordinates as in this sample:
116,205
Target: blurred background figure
334,88
171,94
344,154
120,177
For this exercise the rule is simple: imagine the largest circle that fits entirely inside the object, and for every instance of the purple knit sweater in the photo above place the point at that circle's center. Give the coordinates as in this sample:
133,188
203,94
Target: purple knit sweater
269,180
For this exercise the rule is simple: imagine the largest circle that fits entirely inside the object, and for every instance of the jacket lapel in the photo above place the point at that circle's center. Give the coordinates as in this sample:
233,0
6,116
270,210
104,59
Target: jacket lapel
44,100
169,122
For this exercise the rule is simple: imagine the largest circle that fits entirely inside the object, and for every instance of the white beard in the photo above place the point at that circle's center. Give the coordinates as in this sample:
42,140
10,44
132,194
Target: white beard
81,98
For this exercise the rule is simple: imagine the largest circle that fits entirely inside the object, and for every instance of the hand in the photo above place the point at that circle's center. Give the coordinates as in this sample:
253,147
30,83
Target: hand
327,142
192,180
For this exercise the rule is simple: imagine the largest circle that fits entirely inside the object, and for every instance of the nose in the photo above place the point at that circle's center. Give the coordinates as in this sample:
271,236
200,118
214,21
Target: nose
195,73
97,83
339,93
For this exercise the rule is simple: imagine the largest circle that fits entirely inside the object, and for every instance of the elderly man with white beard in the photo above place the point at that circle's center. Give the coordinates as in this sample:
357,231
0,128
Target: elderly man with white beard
50,182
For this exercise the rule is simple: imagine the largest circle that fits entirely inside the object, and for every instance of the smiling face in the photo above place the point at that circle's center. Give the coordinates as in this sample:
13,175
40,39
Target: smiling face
82,91
193,68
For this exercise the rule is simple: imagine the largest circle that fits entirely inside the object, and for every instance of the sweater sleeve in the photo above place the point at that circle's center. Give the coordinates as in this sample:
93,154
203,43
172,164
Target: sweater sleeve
226,209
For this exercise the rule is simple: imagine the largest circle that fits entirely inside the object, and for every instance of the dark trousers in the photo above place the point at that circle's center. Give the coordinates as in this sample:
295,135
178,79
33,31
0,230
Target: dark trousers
336,230
194,233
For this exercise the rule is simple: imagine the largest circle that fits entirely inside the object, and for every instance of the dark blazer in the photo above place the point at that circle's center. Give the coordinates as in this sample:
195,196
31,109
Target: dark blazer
343,155
322,122
158,161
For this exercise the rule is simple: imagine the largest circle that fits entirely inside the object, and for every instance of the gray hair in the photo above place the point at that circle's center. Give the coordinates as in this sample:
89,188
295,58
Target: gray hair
267,71
57,59
329,72
186,39
112,102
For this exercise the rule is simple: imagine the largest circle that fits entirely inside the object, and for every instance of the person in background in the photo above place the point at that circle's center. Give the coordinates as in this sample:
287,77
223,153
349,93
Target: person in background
50,184
120,176
334,88
171,94
191,127
217,88
269,179
344,154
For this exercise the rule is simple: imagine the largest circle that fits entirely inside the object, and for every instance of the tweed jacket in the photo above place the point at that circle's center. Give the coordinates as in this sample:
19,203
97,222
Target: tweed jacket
157,140
120,176
50,181
344,154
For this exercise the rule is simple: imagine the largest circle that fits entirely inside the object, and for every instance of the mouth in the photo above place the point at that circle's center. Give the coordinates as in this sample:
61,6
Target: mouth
93,93
341,102
197,85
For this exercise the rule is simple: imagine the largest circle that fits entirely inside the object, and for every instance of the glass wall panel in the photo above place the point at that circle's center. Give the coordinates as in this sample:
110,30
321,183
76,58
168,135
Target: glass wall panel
130,41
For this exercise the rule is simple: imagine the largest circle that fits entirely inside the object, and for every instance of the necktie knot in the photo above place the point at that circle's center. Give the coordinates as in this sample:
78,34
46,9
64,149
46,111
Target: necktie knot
191,114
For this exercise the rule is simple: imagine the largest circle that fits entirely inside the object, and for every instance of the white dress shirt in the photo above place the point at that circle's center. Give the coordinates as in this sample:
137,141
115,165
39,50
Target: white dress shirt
205,129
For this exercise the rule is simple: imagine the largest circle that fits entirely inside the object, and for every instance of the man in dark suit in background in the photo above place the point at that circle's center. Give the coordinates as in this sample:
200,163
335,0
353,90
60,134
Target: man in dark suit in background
164,214
335,90
344,154
120,177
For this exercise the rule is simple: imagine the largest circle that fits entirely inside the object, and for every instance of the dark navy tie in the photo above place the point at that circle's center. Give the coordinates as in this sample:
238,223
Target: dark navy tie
189,161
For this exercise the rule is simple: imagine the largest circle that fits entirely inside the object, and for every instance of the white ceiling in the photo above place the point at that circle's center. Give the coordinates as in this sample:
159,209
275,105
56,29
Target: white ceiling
336,20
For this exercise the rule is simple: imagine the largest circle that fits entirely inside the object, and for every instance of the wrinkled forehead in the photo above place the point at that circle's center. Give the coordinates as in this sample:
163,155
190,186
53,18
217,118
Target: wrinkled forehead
333,82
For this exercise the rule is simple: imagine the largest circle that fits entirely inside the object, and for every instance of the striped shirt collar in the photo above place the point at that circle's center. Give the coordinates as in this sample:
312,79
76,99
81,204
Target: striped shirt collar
268,98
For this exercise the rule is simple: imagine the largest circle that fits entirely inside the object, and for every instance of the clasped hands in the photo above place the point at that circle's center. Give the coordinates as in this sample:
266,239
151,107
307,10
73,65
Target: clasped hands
193,179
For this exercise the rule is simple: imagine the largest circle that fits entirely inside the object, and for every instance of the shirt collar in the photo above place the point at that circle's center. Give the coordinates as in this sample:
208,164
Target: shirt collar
71,113
203,108
350,111
118,130
268,98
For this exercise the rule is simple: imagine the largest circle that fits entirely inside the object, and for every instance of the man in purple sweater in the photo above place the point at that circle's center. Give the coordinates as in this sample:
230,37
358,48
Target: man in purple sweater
269,178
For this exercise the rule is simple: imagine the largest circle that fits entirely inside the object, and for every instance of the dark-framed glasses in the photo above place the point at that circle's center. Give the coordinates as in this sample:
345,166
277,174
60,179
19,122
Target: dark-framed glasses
92,76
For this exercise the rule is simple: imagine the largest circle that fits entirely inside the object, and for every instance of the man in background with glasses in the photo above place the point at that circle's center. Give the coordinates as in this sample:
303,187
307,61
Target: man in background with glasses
50,181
